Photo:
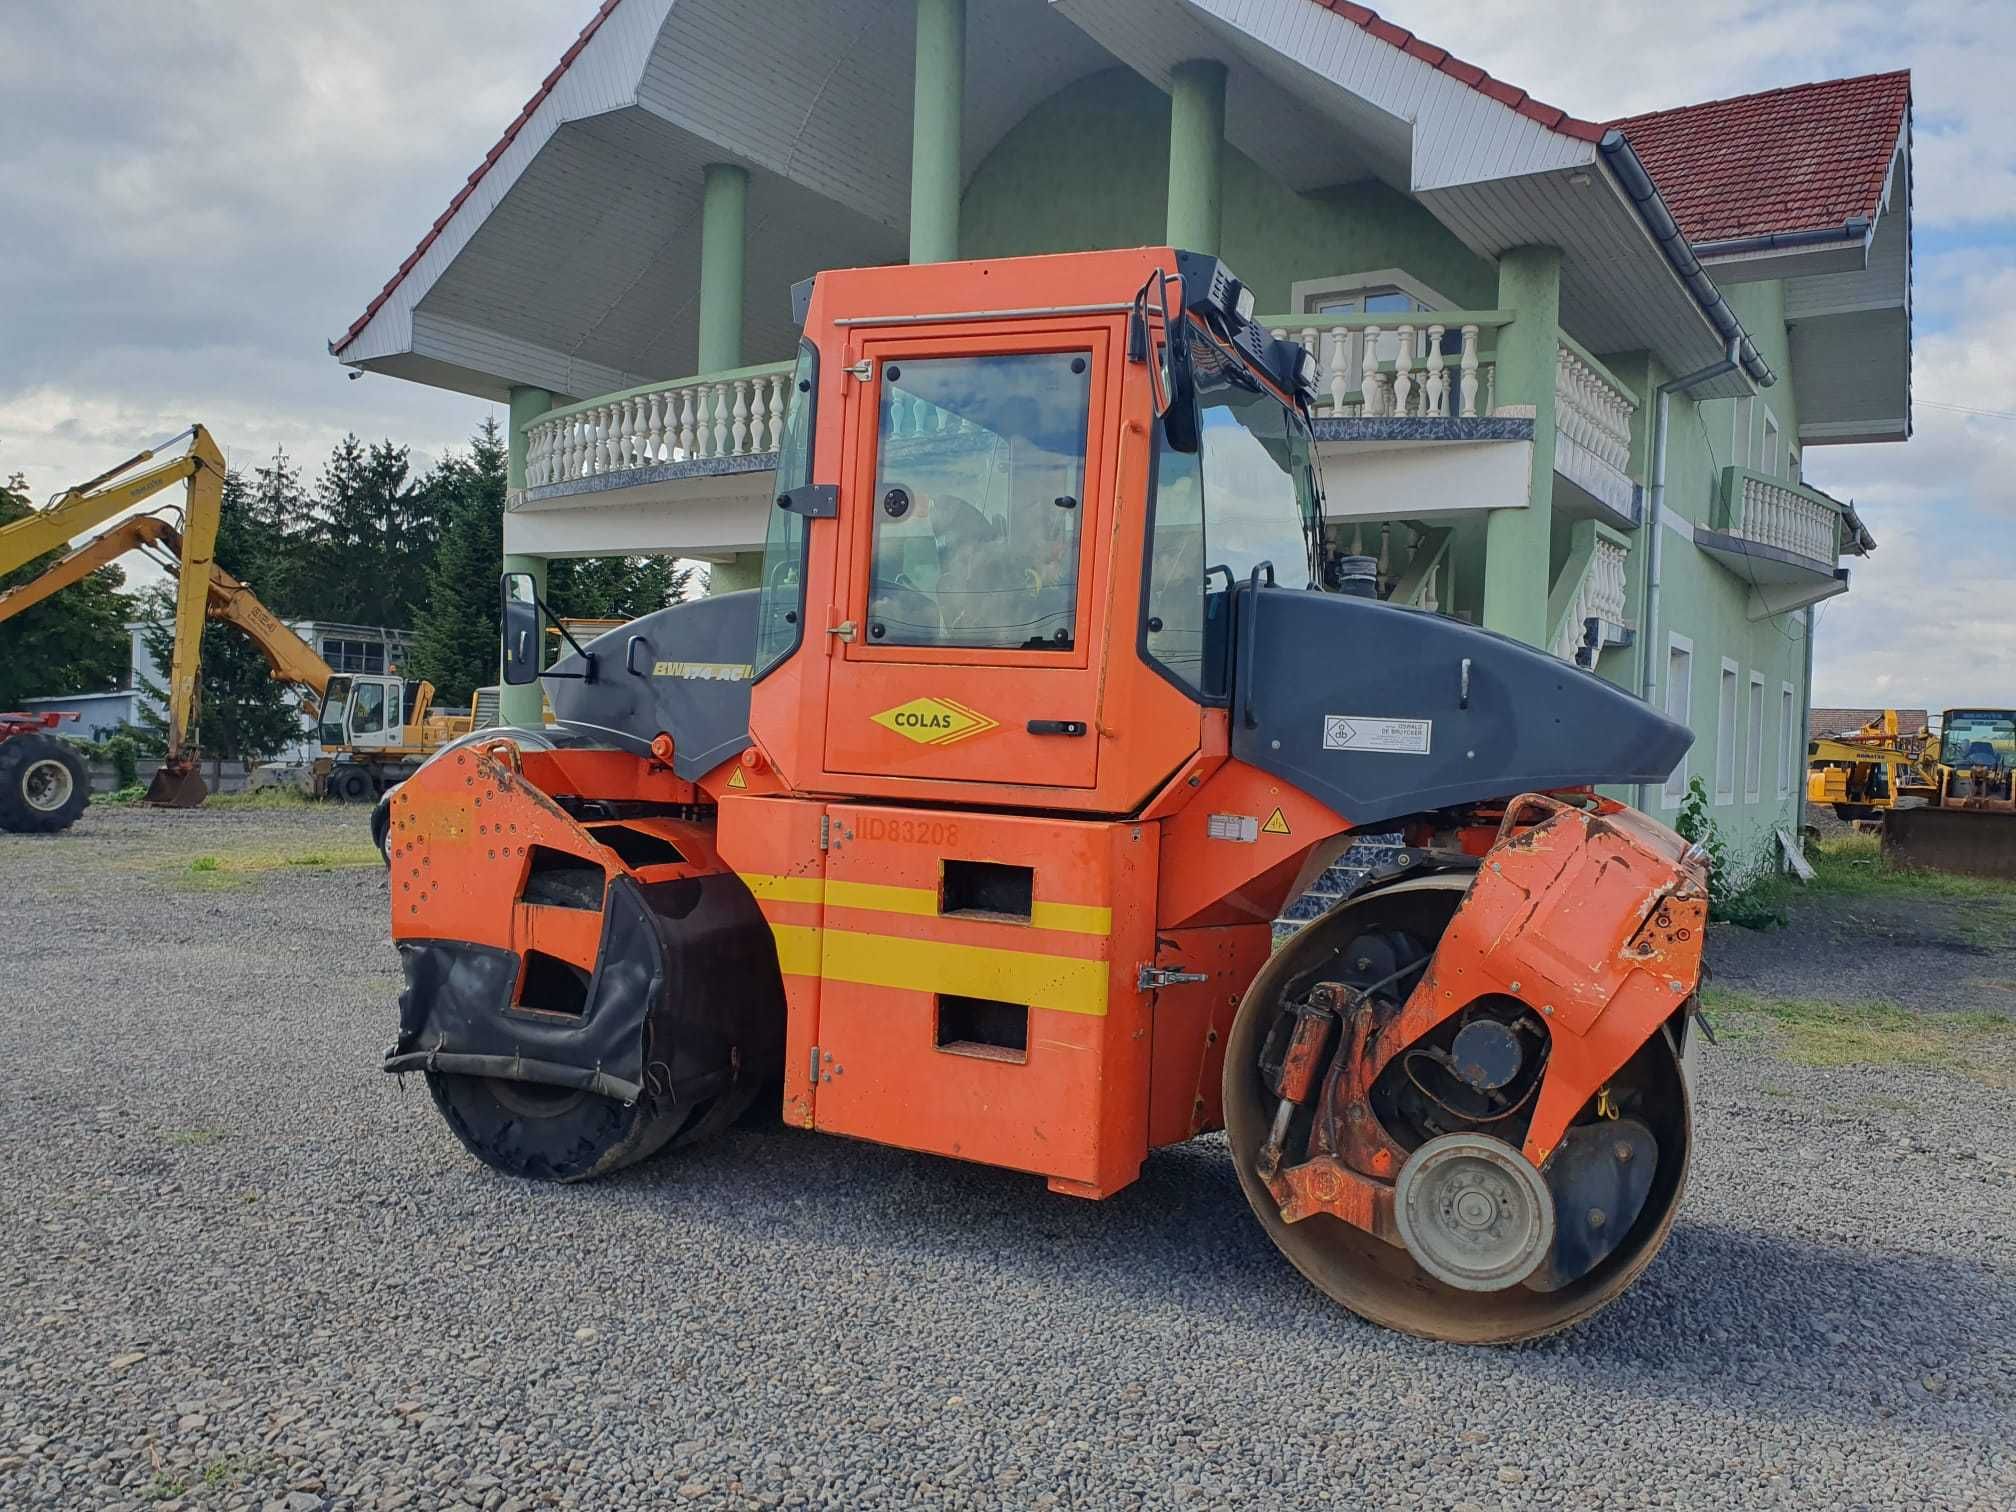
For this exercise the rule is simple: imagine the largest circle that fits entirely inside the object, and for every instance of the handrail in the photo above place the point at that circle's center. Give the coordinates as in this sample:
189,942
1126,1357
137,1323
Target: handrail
1597,367
1389,319
758,370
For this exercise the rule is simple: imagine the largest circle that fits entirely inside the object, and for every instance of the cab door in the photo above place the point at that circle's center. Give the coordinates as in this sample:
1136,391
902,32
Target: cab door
973,635
375,712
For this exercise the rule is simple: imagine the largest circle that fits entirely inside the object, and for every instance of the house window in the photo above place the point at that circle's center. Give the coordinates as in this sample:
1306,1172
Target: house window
347,655
1789,749
1753,750
1725,735
1768,463
1679,706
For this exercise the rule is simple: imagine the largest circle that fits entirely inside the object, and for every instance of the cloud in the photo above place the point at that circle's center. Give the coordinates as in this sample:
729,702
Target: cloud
198,197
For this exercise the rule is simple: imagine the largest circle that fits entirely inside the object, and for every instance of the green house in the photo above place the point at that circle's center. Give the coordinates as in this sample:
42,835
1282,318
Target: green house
1570,368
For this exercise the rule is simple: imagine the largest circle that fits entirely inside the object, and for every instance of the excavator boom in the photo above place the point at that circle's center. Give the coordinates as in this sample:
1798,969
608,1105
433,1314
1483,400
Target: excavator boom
103,498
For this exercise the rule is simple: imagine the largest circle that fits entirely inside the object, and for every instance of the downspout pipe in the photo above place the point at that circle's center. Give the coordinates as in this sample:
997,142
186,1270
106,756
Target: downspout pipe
1655,514
1638,185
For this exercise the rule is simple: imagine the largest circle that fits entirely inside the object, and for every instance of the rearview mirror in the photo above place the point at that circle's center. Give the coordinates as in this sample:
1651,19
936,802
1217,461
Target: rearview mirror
521,620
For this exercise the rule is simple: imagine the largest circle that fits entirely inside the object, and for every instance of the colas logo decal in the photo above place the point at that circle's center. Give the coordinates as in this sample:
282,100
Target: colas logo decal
934,721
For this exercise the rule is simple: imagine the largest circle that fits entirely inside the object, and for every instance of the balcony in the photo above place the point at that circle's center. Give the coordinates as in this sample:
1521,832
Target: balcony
1782,538
682,466
1398,385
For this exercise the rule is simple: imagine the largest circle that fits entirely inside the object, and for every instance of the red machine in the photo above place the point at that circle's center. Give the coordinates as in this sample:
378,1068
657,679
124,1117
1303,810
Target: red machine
966,831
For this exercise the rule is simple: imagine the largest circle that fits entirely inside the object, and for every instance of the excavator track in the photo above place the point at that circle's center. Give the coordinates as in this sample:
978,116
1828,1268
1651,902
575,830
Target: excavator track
1377,1277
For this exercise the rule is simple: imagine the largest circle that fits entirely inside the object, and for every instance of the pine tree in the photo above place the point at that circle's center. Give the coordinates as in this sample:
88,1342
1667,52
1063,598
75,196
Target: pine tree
372,539
74,641
280,564
619,588
242,713
455,628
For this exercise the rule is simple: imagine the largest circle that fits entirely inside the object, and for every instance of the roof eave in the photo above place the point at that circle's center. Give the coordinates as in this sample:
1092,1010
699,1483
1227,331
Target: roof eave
1636,182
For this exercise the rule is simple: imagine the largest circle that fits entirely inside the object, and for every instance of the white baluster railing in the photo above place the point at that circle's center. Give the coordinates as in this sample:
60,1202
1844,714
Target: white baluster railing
1600,595
1778,514
688,419
1396,368
1591,409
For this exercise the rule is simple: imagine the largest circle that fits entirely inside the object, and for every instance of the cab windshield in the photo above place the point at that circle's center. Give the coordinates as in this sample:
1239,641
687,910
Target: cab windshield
1247,500
1979,738
335,705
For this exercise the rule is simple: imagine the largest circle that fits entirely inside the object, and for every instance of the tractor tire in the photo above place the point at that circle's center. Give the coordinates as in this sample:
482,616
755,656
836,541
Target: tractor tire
352,785
43,784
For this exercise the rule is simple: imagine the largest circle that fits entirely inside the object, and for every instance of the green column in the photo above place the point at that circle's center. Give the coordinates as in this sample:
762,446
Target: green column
1516,540
934,130
743,570
1196,154
724,215
521,706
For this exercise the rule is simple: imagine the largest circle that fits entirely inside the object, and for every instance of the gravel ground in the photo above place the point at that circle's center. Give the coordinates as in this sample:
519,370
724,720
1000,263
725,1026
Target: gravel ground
239,1267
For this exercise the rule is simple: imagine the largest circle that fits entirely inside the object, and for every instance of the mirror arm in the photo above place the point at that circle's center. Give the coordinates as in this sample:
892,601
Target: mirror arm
588,658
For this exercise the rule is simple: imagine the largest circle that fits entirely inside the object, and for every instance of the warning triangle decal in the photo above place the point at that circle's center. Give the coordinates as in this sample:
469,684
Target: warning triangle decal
738,780
1277,824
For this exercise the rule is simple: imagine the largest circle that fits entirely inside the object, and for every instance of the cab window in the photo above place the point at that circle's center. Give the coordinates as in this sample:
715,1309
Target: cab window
979,501
367,709
1247,497
781,607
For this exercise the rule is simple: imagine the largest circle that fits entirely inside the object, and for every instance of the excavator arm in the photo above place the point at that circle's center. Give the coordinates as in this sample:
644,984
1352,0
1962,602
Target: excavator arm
128,535
102,498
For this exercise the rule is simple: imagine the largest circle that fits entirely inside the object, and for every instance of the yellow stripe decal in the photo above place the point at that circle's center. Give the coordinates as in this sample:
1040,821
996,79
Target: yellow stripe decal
918,902
797,949
1073,918
882,897
1064,983
784,889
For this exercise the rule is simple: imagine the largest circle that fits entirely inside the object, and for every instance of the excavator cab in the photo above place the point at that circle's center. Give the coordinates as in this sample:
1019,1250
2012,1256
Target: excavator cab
967,830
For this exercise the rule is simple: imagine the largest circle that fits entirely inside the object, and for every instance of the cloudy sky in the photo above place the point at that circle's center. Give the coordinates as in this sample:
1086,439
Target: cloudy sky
197,196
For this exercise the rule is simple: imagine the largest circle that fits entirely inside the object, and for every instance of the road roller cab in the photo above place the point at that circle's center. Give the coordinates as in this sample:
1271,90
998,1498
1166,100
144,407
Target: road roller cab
966,830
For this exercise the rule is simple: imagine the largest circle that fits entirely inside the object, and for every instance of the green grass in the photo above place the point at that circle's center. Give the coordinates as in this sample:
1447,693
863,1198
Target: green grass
165,1487
229,1470
233,869
1852,868
265,798
1808,1032
196,1138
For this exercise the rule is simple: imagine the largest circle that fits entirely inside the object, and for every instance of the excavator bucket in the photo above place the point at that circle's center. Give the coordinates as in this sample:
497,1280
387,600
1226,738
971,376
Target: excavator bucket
177,785
1977,842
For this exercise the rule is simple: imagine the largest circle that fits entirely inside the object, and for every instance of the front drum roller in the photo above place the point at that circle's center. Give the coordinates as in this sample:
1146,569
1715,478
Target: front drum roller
1470,1204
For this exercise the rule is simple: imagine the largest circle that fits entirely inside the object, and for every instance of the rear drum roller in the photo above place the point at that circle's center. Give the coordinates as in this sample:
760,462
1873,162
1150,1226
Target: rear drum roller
684,1010
1468,1203
567,1134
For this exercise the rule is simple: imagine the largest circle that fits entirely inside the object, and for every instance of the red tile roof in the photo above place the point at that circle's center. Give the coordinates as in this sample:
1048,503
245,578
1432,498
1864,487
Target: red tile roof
1509,95
510,135
1805,158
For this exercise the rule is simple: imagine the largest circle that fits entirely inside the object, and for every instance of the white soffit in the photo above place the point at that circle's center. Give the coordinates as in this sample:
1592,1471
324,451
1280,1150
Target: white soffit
1498,179
558,265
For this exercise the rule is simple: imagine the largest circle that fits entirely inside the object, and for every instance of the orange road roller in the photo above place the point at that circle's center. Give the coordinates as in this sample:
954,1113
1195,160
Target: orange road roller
967,829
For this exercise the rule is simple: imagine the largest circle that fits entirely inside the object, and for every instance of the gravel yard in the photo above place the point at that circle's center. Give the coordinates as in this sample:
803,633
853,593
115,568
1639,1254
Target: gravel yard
240,1267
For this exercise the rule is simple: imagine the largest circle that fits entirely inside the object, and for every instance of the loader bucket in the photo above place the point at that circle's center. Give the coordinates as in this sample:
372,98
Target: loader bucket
1978,842
177,786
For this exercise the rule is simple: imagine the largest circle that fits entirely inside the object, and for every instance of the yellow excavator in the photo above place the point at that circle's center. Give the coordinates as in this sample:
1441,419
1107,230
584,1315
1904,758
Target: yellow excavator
38,789
374,729
1967,819
1865,775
